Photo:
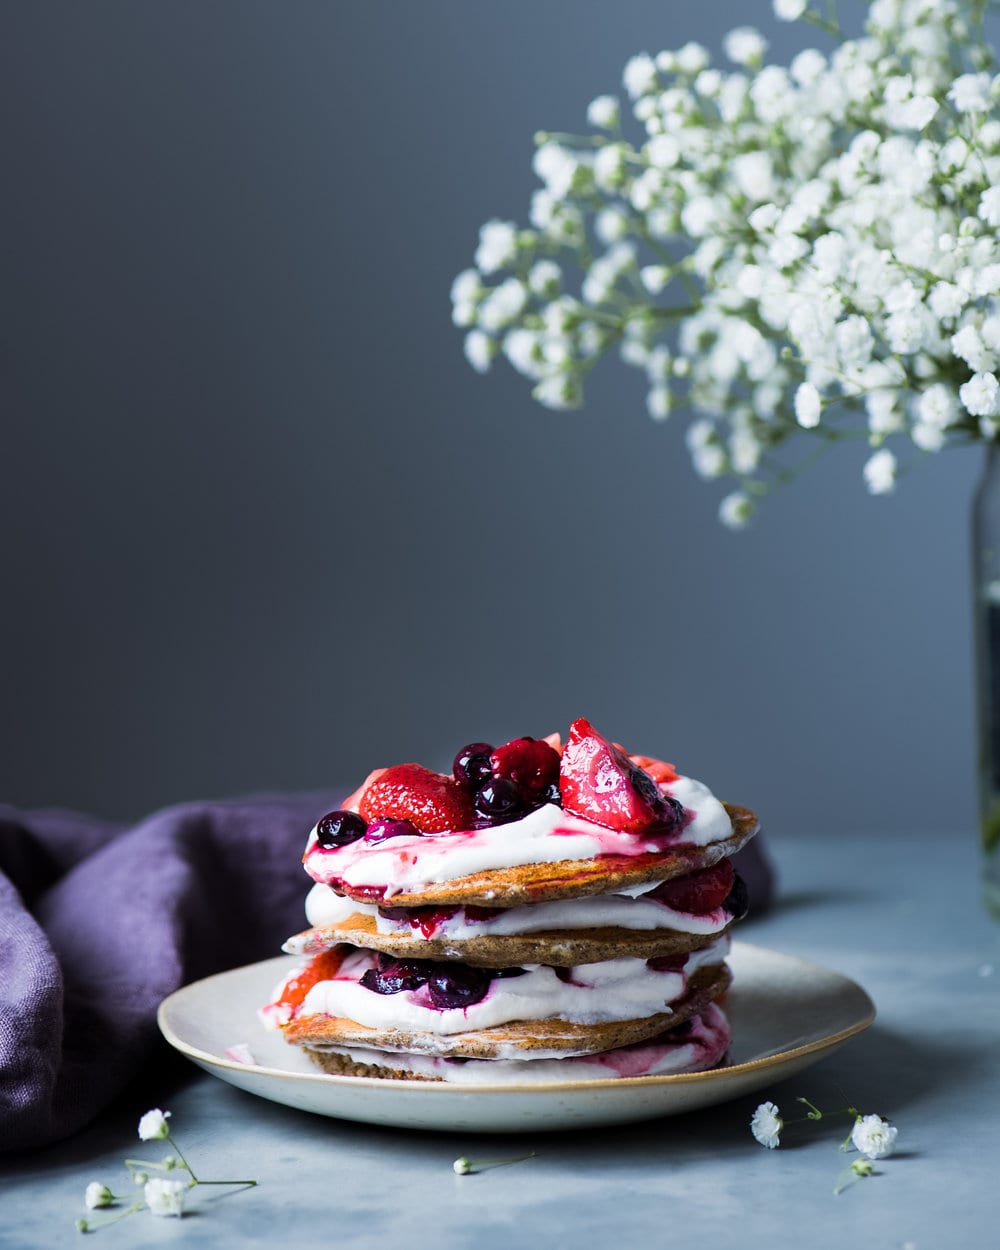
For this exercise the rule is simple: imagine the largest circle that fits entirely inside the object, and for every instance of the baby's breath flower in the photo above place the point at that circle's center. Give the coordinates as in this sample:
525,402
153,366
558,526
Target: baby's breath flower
479,350
98,1195
819,241
970,93
980,395
604,112
165,1197
766,1125
745,45
497,246
153,1126
874,1137
160,1196
639,75
734,512
807,406
880,472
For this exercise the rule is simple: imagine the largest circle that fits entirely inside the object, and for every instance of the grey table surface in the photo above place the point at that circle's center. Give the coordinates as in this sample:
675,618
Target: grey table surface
902,916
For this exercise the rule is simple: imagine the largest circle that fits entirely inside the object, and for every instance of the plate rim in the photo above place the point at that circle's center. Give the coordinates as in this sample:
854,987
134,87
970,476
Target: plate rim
828,1042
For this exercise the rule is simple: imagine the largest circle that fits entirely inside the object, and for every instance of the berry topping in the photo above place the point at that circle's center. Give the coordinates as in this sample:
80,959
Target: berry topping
598,781
499,800
340,828
699,892
392,976
472,764
458,985
322,967
737,900
531,764
430,800
448,985
384,828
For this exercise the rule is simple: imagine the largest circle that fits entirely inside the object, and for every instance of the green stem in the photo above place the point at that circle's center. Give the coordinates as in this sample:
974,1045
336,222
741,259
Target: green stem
225,1182
190,1171
93,1228
674,311
184,1163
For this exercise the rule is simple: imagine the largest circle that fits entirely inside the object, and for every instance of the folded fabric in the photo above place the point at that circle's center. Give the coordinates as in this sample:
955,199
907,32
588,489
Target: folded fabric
99,922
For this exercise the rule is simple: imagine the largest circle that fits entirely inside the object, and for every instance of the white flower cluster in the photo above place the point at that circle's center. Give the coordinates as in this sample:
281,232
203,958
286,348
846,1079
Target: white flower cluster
160,1195
811,248
871,1136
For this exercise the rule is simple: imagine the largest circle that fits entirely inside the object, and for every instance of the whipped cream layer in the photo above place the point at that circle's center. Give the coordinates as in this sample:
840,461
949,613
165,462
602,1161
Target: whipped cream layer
324,907
702,1046
545,836
613,990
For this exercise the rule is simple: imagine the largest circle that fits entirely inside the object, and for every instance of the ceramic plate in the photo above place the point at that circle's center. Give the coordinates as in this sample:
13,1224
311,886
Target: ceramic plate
786,1014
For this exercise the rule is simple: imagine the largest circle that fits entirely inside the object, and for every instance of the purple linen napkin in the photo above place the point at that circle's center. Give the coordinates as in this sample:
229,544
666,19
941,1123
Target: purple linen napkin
100,922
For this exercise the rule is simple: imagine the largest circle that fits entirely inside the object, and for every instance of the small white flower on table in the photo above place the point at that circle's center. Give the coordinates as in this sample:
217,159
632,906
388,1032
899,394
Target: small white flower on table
165,1197
874,1137
766,1125
98,1195
153,1126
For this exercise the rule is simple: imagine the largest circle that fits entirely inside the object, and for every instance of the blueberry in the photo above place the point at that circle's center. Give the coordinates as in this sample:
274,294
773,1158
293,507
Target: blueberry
499,800
472,764
392,976
458,986
738,899
340,829
384,828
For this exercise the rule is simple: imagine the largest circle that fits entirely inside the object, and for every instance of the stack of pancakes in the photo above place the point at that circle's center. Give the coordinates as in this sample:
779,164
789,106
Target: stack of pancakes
599,966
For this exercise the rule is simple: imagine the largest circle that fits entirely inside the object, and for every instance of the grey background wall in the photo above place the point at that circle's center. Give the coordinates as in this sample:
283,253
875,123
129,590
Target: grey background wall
261,527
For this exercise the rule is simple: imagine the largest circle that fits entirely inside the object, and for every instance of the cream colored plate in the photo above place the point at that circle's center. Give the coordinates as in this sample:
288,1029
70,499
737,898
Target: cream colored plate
786,1014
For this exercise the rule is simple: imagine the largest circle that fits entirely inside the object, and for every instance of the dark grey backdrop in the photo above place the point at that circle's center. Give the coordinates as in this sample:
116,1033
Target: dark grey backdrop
261,527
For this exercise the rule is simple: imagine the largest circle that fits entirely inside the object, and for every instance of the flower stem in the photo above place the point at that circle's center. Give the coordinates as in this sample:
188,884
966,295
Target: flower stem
93,1228
195,1180
466,1167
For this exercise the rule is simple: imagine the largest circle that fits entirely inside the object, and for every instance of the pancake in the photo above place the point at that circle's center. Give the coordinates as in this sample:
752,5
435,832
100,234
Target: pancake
694,1046
528,1039
594,1007
571,878
557,948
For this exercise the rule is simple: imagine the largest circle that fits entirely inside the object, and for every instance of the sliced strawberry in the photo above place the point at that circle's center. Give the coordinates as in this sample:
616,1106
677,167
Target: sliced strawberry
431,801
699,892
350,804
322,967
531,764
555,742
597,780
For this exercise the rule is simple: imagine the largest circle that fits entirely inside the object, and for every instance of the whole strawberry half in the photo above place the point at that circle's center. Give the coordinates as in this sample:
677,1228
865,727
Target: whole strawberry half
598,781
432,801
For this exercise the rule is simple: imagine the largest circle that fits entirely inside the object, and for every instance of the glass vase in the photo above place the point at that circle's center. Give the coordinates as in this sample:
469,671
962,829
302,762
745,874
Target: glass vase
986,625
